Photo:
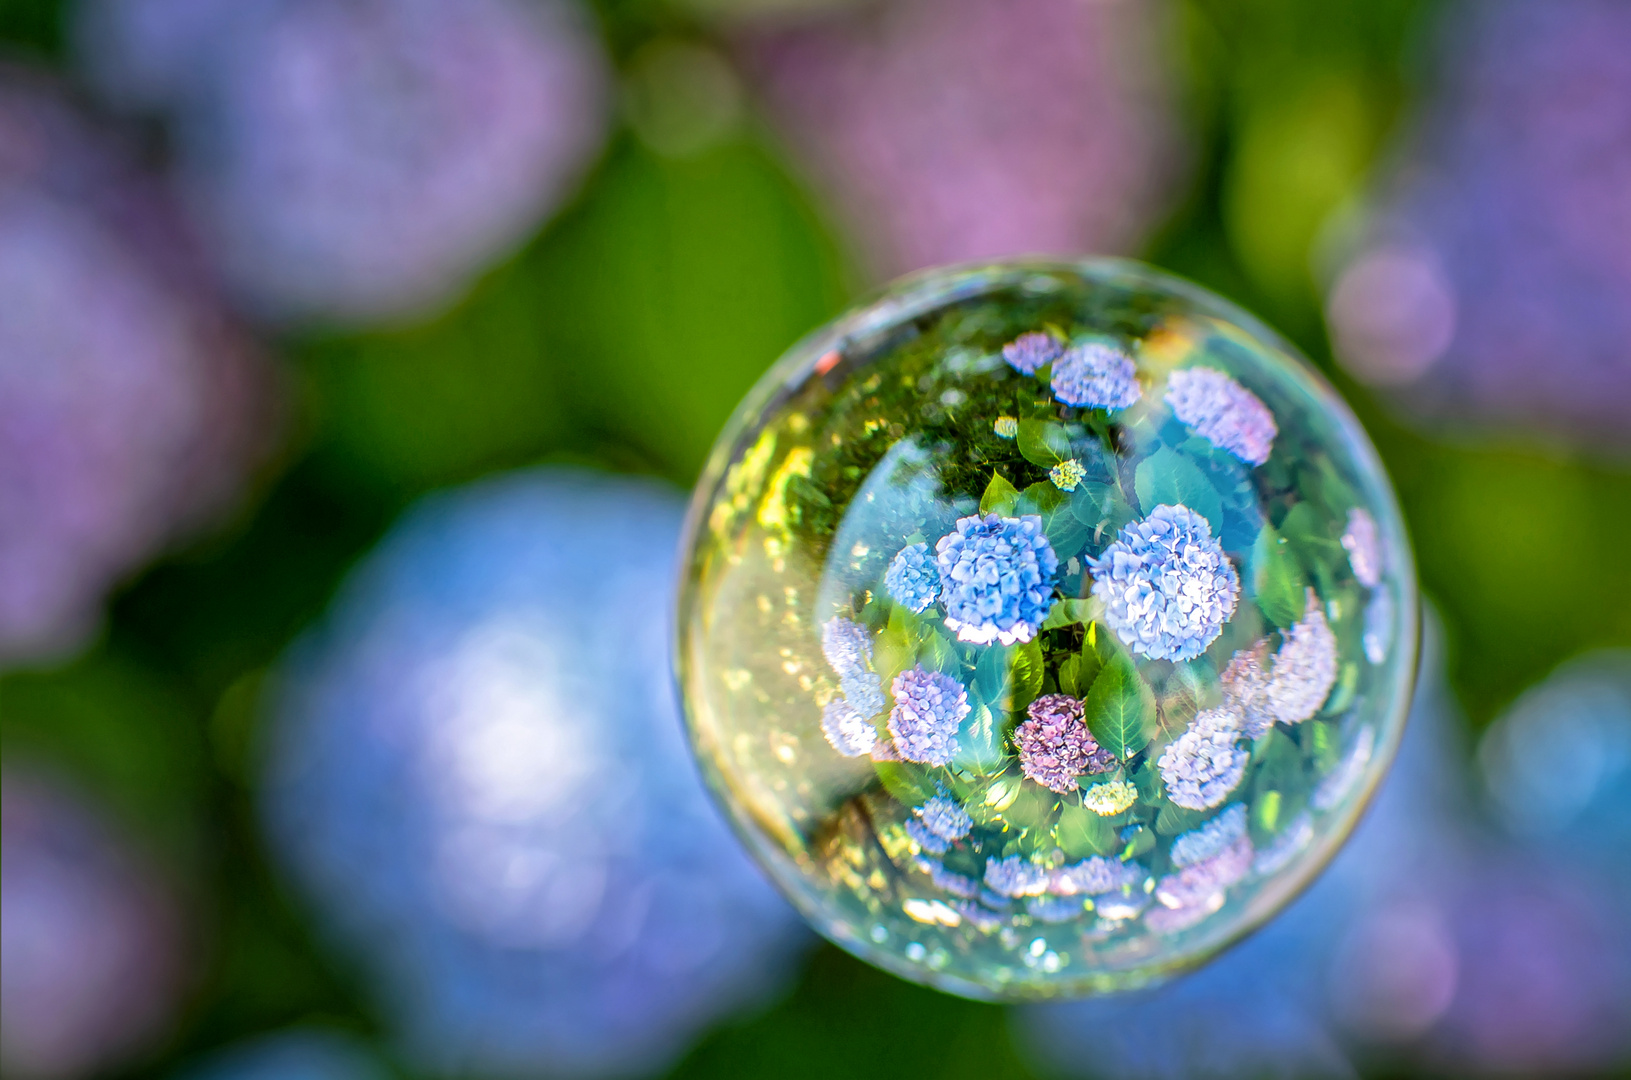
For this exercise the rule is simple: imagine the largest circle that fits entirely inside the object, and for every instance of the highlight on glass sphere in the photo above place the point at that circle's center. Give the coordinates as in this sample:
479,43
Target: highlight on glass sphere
1046,626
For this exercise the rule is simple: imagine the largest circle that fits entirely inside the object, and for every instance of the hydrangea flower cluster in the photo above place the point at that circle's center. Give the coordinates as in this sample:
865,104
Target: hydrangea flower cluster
1055,747
996,576
945,818
848,649
929,707
1094,876
1015,876
1111,797
850,733
1067,474
1096,376
1029,352
1203,843
1200,884
1222,412
913,580
1166,585
1204,764
1364,546
1291,687
1005,427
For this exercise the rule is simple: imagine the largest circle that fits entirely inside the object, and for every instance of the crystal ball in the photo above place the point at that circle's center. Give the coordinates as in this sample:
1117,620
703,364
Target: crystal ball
1046,626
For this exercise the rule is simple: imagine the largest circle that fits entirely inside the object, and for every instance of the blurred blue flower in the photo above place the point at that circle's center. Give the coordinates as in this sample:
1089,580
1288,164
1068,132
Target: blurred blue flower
360,160
996,574
1221,411
1028,352
928,708
1095,376
926,838
1094,876
850,733
912,580
847,646
93,941
942,816
478,779
1166,585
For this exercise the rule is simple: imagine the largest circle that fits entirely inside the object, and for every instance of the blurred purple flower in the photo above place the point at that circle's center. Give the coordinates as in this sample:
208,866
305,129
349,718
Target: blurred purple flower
1094,876
131,409
479,781
1016,876
1305,667
1028,352
1364,547
1095,376
93,954
361,159
963,129
928,708
1224,413
1493,280
848,731
1200,844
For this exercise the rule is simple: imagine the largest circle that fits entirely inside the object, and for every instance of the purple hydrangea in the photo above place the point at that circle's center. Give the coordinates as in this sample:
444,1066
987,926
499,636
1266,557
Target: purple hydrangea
1166,585
1016,876
848,649
996,576
1094,876
1245,684
1305,667
957,884
945,818
94,938
928,708
1364,546
846,729
913,580
1200,844
1201,885
1204,764
1055,747
1095,376
363,160
1028,352
1224,413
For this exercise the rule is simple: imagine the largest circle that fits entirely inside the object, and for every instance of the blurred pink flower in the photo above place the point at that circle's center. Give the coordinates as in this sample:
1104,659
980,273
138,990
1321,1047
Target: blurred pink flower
950,130
130,407
92,957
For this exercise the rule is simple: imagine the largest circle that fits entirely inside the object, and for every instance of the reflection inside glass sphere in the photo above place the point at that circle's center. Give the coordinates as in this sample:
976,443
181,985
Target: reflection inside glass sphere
1046,627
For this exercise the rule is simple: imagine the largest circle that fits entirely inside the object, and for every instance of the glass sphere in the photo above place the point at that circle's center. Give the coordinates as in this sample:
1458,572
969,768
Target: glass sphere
1046,626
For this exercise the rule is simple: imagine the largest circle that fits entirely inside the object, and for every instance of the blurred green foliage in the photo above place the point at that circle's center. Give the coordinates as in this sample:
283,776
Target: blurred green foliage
625,333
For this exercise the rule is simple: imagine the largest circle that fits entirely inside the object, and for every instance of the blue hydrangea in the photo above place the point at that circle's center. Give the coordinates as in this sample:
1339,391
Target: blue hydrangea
1016,876
1204,764
1030,351
929,707
1095,376
846,729
1224,413
1166,586
864,693
1203,843
926,838
1094,876
996,577
912,580
846,645
477,777
943,817
954,883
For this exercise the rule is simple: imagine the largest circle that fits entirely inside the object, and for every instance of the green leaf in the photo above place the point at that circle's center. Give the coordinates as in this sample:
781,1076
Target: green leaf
1066,613
1064,532
1277,580
905,782
1026,671
1120,708
1081,833
1175,819
979,743
1000,496
1169,478
1069,675
1043,443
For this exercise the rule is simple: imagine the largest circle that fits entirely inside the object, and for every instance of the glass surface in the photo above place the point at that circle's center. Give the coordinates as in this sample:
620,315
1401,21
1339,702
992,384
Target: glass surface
1046,626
